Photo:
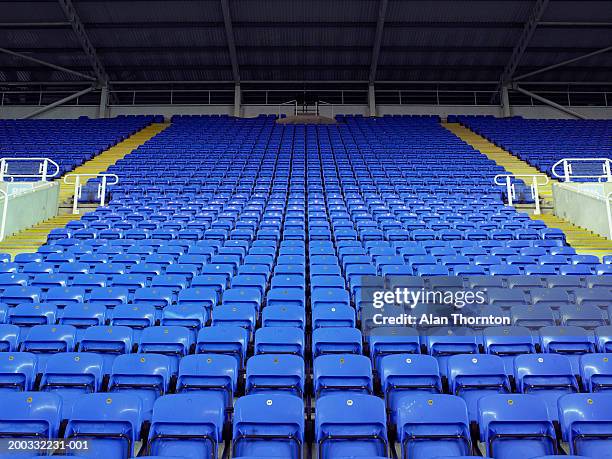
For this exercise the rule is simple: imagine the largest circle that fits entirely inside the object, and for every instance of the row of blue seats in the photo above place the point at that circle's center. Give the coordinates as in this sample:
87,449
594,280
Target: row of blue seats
428,425
178,341
542,143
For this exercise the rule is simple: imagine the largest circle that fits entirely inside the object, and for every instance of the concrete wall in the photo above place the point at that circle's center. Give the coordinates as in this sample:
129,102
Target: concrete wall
583,204
254,110
30,207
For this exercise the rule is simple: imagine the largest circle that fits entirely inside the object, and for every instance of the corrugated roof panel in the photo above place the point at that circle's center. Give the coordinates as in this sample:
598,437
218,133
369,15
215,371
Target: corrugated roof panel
579,11
459,11
307,36
27,11
304,11
433,36
160,38
123,11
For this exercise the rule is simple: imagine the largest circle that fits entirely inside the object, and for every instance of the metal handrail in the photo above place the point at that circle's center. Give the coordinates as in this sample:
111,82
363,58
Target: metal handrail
510,187
609,212
4,195
289,102
78,187
568,172
43,169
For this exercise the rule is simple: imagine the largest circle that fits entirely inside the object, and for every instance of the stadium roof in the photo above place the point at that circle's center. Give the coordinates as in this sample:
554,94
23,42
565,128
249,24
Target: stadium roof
306,40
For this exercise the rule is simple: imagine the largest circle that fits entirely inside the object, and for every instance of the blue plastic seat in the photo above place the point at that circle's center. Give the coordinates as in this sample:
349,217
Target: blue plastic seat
45,340
278,315
443,342
230,340
350,425
336,340
333,316
570,341
15,295
30,415
279,340
603,338
215,374
107,341
516,425
110,423
533,317
239,314
186,425
598,296
156,297
109,296
131,282
268,425
172,341
275,373
47,281
137,317
596,372
343,372
64,296
433,425
587,316
473,377
30,314
547,376
71,375
17,371
585,423
89,281
9,337
385,341
147,377
206,297
192,317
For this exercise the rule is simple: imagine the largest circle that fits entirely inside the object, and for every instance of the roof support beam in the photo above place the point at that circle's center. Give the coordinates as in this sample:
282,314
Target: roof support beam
79,30
564,63
57,103
519,49
47,64
231,43
380,28
550,103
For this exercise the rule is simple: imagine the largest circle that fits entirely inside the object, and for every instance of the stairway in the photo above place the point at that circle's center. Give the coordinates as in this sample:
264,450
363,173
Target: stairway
584,241
109,157
30,239
505,159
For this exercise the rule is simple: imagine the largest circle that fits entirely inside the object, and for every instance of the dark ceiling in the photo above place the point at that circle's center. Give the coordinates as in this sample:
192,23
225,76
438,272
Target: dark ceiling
307,40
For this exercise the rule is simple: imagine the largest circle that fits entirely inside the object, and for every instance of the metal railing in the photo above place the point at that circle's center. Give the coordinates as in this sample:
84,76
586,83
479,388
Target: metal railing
166,94
78,187
4,196
534,187
43,169
568,173
608,198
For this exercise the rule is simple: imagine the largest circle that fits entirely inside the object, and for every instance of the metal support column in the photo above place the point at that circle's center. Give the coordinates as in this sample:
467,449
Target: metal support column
103,109
505,102
372,99
237,100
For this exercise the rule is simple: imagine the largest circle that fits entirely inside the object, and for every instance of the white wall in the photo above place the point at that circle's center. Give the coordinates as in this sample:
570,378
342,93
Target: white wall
254,110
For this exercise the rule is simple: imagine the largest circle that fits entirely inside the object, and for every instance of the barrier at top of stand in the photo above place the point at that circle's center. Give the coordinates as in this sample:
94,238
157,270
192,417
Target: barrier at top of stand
568,169
43,169
537,180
